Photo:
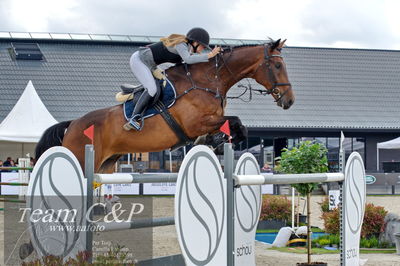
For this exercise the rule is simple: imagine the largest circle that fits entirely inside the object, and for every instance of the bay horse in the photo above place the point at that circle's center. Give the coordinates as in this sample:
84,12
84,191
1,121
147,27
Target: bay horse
199,108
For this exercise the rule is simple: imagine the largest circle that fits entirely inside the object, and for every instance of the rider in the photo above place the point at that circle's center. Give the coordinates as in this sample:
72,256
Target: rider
172,49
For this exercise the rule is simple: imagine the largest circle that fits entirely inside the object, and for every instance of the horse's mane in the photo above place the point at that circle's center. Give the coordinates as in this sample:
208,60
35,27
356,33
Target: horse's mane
228,49
270,41
242,45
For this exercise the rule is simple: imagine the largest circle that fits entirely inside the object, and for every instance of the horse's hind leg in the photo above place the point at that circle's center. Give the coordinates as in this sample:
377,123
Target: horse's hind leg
75,141
108,166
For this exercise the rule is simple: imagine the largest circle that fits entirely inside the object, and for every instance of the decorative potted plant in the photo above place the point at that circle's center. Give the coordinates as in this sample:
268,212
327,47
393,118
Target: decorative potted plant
275,212
306,157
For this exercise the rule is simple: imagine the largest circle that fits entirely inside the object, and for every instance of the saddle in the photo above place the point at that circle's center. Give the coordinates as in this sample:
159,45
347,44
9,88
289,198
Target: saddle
128,90
130,94
133,92
164,99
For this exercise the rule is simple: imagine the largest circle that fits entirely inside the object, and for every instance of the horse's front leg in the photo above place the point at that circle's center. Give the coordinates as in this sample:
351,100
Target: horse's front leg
216,139
210,126
238,130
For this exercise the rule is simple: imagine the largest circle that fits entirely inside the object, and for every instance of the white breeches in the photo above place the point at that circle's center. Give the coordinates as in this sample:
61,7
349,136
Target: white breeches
143,74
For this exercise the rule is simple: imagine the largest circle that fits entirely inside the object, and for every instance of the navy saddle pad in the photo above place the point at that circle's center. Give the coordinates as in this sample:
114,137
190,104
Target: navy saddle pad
167,97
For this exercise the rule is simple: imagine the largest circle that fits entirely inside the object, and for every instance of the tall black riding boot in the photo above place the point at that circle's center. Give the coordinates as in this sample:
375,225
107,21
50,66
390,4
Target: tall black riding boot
136,121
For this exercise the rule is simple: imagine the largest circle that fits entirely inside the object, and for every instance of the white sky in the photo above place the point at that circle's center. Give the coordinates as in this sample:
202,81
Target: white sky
371,24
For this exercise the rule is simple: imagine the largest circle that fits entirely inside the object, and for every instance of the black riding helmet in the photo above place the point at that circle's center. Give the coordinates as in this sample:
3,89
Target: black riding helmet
199,35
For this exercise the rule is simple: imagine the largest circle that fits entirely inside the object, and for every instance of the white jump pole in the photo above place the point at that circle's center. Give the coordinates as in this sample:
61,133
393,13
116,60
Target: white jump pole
170,161
377,157
247,180
124,178
292,208
23,176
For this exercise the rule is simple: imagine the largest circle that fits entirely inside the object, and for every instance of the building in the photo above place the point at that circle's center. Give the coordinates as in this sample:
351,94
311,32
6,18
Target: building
356,91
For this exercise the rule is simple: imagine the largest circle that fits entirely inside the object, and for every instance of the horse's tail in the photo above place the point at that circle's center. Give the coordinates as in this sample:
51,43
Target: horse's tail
53,136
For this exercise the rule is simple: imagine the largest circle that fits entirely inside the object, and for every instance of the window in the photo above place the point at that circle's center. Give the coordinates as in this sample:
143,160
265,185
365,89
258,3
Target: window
321,141
292,143
359,146
26,51
333,154
332,144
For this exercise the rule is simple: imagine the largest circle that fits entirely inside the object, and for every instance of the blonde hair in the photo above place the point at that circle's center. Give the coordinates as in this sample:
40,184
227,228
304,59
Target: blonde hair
173,40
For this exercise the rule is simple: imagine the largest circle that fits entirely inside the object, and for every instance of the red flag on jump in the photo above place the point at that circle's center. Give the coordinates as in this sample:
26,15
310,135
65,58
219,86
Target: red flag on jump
225,129
89,132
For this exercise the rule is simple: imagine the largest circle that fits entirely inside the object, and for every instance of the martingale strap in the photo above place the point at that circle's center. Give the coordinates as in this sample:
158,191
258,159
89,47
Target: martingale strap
183,139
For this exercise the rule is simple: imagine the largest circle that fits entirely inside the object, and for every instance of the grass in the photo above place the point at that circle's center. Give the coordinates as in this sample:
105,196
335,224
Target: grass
383,195
268,231
315,230
303,250
375,250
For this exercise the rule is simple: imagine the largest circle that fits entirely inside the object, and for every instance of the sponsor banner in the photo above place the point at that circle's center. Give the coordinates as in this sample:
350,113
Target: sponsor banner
121,189
267,189
353,208
10,177
247,212
159,188
383,179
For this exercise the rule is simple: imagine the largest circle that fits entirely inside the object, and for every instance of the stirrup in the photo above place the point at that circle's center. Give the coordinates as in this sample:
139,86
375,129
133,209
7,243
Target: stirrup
136,125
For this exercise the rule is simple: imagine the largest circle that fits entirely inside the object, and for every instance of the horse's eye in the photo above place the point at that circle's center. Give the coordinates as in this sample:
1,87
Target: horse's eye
278,65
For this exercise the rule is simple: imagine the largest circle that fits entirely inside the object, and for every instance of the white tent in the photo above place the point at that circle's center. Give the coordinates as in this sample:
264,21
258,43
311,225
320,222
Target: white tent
390,144
27,120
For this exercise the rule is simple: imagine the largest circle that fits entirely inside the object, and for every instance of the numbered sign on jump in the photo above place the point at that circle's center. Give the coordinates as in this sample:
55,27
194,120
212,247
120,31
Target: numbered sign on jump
247,212
334,199
354,194
56,203
200,208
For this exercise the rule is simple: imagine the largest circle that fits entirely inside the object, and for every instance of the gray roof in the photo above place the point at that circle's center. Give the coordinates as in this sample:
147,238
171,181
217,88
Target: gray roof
73,80
335,88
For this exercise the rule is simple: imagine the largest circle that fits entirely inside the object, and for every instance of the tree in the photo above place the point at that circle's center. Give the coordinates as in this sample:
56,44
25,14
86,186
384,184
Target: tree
306,158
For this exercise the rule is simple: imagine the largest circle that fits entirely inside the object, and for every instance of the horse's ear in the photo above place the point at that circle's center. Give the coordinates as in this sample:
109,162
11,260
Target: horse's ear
282,43
275,44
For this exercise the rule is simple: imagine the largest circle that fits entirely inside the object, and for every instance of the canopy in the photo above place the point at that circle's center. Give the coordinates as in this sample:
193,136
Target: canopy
390,144
28,119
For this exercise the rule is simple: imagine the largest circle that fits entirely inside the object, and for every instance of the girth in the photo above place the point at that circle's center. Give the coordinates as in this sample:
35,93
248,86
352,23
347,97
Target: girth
183,139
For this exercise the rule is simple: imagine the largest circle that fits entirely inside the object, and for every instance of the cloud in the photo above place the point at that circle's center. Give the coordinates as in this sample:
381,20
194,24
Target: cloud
340,22
35,16
145,17
329,23
259,19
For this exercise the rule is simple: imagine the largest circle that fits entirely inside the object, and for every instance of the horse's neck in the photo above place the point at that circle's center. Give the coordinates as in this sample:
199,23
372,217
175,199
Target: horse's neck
239,65
235,66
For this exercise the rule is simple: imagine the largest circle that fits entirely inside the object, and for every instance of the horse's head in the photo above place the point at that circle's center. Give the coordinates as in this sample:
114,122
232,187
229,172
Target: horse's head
271,73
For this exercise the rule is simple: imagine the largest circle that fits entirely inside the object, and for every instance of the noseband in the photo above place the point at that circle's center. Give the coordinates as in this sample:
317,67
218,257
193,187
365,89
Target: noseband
271,77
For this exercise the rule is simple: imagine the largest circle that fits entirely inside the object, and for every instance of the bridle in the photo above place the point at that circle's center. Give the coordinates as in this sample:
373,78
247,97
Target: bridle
275,90
270,76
